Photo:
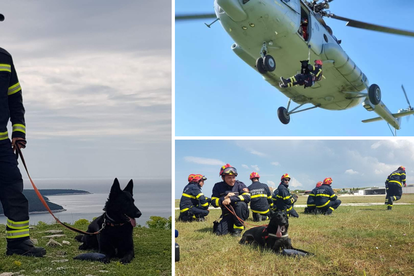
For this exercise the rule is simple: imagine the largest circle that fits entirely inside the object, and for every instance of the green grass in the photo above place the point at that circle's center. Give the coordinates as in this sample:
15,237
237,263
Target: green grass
152,255
353,241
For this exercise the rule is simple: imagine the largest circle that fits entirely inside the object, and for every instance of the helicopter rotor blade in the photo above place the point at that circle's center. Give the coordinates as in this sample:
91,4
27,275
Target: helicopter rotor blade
409,105
194,16
372,27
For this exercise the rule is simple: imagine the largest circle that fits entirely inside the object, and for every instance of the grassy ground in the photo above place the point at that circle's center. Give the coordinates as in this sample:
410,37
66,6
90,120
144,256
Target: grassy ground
152,255
353,241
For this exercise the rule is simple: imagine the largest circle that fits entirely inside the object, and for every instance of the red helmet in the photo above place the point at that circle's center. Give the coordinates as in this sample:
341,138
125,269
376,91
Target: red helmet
319,62
254,175
401,168
327,181
191,177
228,170
196,178
318,184
304,21
285,176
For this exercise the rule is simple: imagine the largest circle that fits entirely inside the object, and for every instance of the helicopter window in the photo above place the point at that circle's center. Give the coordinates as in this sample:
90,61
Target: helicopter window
325,37
245,1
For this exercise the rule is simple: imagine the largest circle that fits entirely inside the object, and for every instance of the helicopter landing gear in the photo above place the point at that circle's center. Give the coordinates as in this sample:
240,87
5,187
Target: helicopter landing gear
265,63
284,113
374,94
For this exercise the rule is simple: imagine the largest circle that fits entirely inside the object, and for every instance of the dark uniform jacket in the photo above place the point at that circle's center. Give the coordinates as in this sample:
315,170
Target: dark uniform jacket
396,177
311,198
261,198
282,198
324,195
193,197
11,102
221,189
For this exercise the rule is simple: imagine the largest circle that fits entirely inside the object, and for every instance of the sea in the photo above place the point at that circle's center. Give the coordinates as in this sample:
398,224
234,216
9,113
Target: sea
152,197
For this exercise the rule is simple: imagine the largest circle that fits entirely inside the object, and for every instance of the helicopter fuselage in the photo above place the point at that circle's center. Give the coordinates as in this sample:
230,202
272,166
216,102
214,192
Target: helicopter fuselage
276,24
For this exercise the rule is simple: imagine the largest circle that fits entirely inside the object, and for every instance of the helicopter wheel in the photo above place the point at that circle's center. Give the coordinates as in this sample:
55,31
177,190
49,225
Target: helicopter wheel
283,115
374,94
269,63
260,66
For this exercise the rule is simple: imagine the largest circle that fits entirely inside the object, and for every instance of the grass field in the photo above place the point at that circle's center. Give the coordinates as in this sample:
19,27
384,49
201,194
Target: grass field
152,255
366,240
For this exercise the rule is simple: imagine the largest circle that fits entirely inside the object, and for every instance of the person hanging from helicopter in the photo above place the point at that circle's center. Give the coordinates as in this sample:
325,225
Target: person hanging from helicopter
308,76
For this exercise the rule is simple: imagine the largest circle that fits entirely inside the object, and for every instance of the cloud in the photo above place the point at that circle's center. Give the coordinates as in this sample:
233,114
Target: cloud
351,171
255,152
204,161
275,163
256,167
295,183
245,166
271,183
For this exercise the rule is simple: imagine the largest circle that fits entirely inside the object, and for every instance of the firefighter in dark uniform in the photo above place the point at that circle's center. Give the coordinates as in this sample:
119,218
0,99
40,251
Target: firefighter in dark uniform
393,186
282,199
308,76
230,195
311,206
193,203
14,203
261,198
325,198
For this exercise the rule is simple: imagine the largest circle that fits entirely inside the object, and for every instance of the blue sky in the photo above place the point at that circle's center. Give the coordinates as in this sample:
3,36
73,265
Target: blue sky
350,163
217,94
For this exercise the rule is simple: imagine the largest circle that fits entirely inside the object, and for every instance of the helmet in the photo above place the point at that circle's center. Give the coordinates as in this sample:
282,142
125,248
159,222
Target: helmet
191,177
254,175
285,176
327,181
228,170
304,21
319,62
198,177
318,184
401,168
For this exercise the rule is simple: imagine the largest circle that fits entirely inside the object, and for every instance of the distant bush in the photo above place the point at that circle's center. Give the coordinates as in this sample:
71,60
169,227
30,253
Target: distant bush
159,223
81,222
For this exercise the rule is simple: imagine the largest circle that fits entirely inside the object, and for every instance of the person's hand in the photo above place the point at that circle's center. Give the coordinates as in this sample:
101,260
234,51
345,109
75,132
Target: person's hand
227,201
230,194
21,144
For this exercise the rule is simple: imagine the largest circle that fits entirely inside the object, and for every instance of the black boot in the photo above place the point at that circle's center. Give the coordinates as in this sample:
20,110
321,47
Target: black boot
25,248
389,208
236,233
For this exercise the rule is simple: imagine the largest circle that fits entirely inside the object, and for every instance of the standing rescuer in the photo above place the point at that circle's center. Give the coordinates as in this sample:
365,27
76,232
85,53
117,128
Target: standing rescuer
282,198
193,203
261,198
234,195
325,198
393,186
15,204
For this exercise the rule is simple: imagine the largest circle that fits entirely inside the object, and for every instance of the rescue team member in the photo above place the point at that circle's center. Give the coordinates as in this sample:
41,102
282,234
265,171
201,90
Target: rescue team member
282,199
393,186
311,209
325,198
309,75
232,194
14,203
193,203
261,198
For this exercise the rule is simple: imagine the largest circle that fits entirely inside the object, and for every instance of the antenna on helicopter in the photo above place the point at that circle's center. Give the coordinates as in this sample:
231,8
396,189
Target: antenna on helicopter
209,25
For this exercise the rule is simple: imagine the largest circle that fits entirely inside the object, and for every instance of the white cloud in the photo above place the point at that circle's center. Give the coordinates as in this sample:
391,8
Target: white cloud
295,183
271,184
351,171
204,161
255,152
275,163
245,166
256,168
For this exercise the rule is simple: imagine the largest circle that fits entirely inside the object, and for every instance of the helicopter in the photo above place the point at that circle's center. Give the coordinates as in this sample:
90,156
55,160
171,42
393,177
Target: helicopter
268,36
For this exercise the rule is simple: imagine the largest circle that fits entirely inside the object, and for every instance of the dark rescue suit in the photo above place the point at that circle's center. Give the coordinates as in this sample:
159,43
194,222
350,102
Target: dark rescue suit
14,202
193,203
229,223
282,199
325,199
393,186
309,75
261,200
311,206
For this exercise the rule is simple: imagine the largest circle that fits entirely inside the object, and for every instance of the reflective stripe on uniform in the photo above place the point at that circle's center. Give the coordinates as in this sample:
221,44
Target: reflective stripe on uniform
320,206
17,224
333,195
325,195
259,195
204,205
395,181
216,199
19,127
284,198
241,197
5,67
288,209
238,227
14,89
4,135
190,196
184,210
15,234
260,212
200,194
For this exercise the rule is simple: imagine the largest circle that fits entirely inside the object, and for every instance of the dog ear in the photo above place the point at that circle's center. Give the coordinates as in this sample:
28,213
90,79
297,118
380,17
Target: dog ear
116,188
129,187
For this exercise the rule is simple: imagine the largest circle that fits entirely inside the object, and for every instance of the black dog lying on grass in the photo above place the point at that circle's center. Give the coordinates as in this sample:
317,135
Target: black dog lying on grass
116,228
273,236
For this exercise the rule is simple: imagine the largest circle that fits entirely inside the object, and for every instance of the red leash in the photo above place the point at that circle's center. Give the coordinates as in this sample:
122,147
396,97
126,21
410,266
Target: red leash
19,153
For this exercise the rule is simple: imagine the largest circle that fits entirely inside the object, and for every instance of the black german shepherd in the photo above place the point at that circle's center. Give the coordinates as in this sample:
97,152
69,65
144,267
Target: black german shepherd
273,236
115,226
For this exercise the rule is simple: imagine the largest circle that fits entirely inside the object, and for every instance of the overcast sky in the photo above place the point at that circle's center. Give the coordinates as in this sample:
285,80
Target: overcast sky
96,81
350,163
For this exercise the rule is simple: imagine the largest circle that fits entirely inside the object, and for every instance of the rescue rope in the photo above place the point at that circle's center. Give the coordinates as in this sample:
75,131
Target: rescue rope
19,153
